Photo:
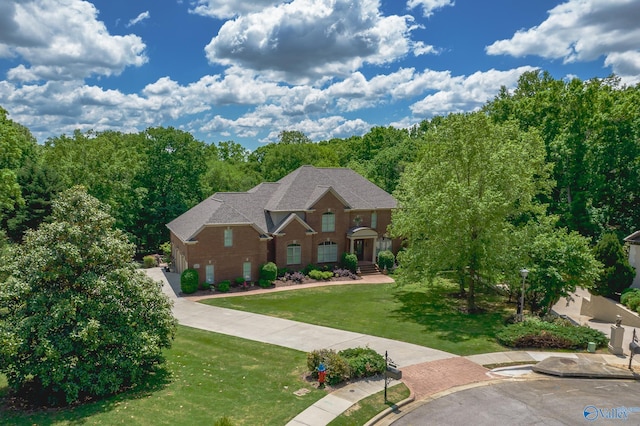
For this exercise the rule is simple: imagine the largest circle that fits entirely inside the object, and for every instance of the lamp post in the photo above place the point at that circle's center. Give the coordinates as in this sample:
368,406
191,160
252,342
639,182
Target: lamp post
524,272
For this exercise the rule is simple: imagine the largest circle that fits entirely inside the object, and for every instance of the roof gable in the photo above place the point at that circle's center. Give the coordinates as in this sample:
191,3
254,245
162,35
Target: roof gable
299,191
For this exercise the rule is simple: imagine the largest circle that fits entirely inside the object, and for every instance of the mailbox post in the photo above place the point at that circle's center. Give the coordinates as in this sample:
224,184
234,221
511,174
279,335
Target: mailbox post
391,372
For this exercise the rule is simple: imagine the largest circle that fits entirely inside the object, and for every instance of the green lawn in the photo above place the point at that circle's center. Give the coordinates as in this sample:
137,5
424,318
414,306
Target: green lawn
207,376
420,314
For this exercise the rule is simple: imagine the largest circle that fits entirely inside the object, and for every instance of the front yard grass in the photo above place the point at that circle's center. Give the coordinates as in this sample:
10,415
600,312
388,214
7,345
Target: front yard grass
426,315
208,376
367,408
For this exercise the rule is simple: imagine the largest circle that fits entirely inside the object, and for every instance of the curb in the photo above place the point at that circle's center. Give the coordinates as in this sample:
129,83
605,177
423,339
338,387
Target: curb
381,415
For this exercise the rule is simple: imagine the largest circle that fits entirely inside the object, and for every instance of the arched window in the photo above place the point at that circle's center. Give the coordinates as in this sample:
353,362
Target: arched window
293,254
328,222
327,252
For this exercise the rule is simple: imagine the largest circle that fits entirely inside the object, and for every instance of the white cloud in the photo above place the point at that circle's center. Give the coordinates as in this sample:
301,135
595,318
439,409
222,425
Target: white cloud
429,6
310,40
460,94
63,40
138,19
222,9
583,30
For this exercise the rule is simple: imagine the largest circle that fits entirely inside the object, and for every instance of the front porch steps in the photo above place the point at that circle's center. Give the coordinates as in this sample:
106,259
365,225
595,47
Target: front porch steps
368,268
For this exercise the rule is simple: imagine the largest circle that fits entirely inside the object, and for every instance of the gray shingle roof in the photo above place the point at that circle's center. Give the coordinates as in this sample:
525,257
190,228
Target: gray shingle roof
298,191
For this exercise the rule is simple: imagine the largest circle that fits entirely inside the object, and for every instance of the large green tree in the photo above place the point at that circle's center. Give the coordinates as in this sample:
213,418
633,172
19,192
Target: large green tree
457,203
17,145
169,182
592,136
77,317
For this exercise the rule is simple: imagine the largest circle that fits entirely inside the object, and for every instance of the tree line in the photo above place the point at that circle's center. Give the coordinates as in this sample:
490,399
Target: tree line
590,145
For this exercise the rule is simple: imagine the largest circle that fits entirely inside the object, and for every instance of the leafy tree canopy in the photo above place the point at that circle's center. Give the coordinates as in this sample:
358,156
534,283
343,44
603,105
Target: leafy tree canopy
457,201
78,318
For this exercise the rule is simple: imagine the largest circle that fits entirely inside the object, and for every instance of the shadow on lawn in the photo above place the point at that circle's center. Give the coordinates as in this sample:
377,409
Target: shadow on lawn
22,410
443,314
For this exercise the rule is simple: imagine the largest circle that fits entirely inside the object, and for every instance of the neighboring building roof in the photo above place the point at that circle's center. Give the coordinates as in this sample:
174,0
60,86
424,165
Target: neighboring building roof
296,192
633,238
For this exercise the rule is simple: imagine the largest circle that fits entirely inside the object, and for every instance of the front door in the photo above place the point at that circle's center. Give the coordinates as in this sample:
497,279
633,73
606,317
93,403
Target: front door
358,247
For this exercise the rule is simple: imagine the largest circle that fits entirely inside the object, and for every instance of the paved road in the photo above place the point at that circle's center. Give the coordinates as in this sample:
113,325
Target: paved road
534,402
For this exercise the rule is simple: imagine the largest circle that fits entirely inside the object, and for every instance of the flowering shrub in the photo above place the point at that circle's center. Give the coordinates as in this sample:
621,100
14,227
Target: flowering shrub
345,273
296,277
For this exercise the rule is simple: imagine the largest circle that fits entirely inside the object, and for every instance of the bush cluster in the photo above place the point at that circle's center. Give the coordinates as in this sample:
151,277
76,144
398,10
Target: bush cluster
149,261
238,281
345,273
320,275
189,281
269,272
349,261
631,299
224,286
296,277
265,283
386,260
346,364
559,334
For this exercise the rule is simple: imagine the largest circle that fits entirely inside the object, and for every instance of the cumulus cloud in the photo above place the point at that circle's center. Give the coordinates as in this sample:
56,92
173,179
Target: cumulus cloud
138,19
307,40
459,94
63,40
429,6
223,9
583,30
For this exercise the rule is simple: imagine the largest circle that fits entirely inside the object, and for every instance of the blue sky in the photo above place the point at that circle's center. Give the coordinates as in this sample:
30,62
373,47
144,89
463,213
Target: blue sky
246,70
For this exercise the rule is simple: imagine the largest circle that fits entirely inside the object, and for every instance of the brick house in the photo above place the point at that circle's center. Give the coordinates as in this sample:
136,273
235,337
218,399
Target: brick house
312,215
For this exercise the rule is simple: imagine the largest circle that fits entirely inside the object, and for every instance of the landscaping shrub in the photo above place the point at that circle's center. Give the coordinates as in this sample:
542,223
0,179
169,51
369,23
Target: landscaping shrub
296,277
536,333
363,362
349,261
386,260
345,273
617,274
265,283
238,282
149,261
321,275
223,286
310,267
269,272
189,281
631,298
337,367
165,248
283,271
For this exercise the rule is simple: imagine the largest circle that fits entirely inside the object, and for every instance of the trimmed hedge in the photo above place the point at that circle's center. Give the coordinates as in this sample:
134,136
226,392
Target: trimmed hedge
189,281
386,260
559,334
349,261
269,272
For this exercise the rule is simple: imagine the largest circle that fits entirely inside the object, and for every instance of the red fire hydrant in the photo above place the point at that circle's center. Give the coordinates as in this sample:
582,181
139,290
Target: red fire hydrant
322,374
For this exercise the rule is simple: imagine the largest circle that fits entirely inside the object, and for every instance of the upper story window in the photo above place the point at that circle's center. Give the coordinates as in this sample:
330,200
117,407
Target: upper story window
328,222
374,220
228,237
294,254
